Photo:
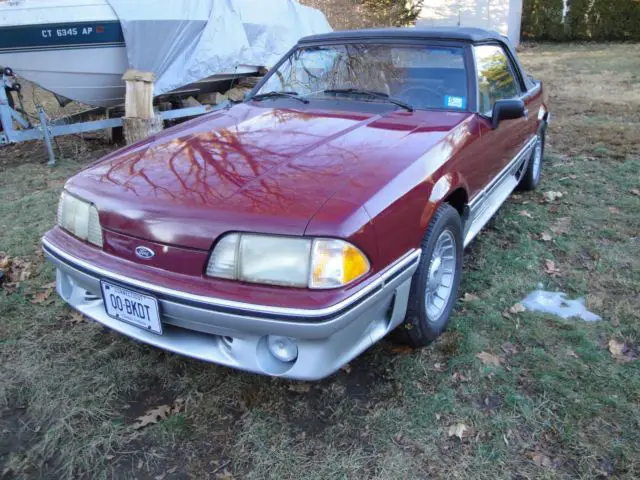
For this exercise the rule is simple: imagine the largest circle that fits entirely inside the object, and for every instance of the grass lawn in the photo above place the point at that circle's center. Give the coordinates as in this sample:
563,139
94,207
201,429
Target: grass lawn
545,399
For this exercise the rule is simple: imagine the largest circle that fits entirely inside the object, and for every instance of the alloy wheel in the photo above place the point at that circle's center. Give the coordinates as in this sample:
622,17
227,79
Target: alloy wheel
441,275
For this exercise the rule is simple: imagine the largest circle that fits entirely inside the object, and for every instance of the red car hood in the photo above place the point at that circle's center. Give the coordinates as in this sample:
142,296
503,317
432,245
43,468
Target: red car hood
248,169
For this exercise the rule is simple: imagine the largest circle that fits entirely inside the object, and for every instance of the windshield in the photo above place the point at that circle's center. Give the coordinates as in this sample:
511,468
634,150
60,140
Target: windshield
426,77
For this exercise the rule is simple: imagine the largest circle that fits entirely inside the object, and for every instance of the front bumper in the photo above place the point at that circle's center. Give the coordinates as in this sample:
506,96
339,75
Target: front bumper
237,337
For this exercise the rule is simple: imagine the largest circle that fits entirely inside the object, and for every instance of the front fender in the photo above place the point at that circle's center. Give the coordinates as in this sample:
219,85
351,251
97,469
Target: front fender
442,189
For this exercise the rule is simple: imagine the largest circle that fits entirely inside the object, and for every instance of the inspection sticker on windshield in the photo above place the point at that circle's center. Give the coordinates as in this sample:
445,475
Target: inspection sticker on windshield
455,102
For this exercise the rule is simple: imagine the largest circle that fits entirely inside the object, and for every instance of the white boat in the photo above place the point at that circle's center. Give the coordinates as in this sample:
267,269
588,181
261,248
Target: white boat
79,49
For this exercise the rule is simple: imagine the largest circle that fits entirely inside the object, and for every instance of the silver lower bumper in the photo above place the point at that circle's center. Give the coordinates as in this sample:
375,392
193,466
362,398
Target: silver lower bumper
238,339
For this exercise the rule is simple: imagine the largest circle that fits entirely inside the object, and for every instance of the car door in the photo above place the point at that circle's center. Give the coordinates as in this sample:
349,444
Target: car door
497,80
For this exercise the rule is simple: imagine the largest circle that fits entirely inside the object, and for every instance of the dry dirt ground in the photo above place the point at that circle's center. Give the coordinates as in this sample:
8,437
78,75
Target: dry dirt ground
504,394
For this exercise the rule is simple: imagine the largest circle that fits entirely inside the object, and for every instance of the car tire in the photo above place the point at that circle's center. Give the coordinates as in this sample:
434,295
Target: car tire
424,322
531,176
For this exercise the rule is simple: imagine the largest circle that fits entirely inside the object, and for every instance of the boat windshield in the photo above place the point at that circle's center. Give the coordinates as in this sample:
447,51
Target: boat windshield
423,77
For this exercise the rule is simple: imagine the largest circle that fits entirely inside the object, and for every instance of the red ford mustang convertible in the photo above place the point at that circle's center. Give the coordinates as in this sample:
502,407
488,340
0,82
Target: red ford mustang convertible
286,234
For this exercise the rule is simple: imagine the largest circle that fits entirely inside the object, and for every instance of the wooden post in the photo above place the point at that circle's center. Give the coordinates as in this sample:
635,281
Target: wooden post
139,120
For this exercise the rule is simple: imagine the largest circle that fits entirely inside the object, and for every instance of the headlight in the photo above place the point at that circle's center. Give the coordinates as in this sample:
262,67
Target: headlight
289,261
79,218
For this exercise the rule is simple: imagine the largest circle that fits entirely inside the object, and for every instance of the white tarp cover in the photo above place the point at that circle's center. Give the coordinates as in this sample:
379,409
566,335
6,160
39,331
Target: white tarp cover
183,41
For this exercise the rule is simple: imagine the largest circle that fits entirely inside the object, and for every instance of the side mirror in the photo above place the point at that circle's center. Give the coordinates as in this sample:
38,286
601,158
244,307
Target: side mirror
507,110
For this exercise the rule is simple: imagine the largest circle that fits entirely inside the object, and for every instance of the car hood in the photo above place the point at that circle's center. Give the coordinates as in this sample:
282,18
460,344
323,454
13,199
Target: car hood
248,168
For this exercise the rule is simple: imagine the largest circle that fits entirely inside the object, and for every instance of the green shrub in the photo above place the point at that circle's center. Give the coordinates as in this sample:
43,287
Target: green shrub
615,20
542,20
585,20
576,23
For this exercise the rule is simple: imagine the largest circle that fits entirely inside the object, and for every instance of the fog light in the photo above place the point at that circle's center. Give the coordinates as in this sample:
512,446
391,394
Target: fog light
283,348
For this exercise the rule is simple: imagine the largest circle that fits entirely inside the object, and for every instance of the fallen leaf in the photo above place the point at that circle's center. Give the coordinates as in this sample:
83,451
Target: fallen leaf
489,359
571,353
76,317
5,261
524,213
438,416
16,270
300,387
573,177
49,285
546,237
152,416
470,297
41,297
551,268
561,225
552,196
25,273
459,430
635,191
509,348
178,405
346,368
620,351
616,347
517,308
540,459
614,210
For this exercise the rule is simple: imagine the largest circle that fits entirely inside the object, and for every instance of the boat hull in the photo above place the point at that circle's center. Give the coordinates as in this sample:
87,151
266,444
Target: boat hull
81,61
92,76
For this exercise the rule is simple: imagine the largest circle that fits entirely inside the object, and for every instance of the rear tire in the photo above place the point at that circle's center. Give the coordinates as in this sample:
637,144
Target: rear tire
531,176
438,276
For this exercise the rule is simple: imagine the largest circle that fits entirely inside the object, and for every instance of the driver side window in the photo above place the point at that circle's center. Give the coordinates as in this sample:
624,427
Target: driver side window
495,77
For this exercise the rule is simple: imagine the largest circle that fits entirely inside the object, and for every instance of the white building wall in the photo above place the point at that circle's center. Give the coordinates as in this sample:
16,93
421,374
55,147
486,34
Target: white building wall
503,16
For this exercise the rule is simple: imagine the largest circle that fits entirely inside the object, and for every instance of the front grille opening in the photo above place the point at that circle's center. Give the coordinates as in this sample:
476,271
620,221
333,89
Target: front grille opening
390,309
227,341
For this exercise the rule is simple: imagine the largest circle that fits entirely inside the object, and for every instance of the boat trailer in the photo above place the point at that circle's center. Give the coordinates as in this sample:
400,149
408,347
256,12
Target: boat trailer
48,129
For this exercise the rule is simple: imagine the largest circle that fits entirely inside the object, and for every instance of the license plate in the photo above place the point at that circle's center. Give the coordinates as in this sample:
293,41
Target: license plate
132,307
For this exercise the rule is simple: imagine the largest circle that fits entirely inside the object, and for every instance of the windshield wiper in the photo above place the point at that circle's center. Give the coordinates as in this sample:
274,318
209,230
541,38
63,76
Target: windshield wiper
286,94
371,93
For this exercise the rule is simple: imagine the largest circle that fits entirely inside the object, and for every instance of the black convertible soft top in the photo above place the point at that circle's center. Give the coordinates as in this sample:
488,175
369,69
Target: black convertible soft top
437,33
458,34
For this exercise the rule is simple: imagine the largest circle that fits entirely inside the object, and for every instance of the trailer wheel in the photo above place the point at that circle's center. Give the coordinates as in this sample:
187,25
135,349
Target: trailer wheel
8,72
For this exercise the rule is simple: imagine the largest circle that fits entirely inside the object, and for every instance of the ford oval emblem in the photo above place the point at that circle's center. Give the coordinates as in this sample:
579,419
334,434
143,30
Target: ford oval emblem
144,252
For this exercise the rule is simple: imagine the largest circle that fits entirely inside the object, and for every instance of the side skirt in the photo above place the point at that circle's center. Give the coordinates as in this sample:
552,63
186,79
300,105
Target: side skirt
487,202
